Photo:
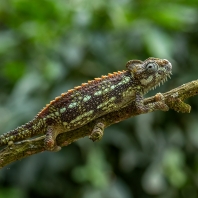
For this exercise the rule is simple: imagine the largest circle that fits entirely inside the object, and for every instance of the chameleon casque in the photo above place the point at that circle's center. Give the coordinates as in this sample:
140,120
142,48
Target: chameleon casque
94,99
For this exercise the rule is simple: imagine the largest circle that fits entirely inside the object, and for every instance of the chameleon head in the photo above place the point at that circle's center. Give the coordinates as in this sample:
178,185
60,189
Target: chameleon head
149,73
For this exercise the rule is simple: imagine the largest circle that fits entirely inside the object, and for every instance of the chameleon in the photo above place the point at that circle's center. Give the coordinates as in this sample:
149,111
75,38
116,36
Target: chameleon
91,100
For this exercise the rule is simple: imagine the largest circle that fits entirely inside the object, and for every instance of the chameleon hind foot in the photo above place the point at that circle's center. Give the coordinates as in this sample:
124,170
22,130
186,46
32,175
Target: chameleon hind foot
50,141
97,132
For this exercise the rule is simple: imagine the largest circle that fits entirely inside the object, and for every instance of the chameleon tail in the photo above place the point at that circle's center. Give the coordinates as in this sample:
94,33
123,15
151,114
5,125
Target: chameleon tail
30,129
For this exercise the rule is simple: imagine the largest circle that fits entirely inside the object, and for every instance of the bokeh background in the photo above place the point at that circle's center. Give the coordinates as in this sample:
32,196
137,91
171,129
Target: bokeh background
50,46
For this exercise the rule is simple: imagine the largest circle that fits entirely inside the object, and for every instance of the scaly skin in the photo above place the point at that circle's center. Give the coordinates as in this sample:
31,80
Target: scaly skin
94,99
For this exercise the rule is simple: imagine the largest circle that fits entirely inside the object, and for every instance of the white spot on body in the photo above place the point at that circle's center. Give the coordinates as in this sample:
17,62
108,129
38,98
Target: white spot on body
112,87
120,83
65,123
124,81
127,79
86,98
72,105
106,103
57,113
97,93
106,90
62,110
80,117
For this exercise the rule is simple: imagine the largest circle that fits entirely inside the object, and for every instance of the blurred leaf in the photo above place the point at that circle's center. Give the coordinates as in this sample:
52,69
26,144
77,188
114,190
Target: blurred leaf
12,193
173,163
7,40
153,181
13,70
95,171
158,43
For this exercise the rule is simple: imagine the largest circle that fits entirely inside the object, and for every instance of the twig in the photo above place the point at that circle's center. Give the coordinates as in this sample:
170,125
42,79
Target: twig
173,98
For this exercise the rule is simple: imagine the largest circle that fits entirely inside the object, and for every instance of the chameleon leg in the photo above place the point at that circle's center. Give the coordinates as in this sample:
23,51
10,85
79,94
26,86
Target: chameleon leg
50,140
97,132
158,105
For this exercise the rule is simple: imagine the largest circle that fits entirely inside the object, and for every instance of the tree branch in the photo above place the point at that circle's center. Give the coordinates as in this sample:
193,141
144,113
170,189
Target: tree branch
173,98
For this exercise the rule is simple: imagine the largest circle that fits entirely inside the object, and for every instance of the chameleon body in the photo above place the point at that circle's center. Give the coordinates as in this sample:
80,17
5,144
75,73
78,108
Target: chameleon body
94,99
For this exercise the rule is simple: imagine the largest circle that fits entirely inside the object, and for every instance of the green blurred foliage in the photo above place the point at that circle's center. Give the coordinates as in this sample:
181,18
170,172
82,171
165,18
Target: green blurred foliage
48,47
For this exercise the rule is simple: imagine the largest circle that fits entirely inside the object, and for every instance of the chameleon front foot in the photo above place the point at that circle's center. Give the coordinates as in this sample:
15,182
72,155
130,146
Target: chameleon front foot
97,132
50,141
158,105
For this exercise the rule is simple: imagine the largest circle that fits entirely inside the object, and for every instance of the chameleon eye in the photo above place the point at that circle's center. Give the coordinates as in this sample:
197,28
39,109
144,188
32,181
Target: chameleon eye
151,67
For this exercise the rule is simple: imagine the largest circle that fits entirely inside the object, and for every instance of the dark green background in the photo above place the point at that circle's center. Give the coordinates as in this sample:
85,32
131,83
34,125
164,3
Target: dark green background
50,46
